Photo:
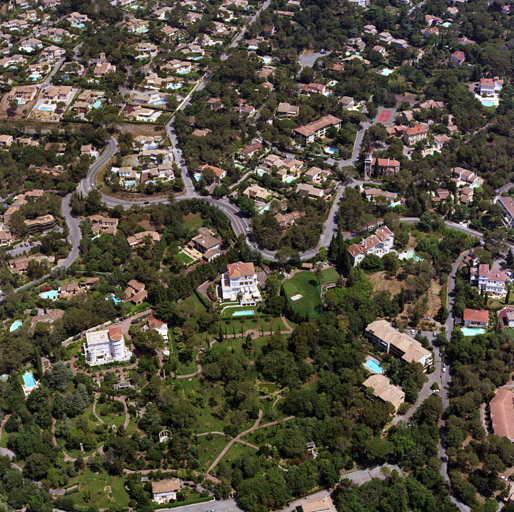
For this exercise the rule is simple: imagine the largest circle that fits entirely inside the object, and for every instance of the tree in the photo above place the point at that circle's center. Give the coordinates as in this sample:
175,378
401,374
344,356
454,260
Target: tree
60,376
36,466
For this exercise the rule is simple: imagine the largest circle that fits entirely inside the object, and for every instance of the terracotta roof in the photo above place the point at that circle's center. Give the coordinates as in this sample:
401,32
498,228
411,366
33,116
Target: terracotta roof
476,315
502,413
166,485
240,269
115,333
311,128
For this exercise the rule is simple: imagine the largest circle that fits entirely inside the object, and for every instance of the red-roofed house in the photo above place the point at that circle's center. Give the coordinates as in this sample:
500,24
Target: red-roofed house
158,325
219,174
386,166
489,281
476,318
490,86
317,129
502,413
240,284
379,244
457,58
415,134
507,204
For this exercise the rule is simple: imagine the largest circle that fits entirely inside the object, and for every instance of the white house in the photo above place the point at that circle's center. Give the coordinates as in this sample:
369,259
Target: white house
165,490
240,284
379,244
107,346
490,86
158,325
490,281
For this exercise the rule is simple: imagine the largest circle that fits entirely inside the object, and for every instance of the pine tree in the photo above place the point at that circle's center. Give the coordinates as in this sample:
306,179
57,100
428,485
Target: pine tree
509,260
220,335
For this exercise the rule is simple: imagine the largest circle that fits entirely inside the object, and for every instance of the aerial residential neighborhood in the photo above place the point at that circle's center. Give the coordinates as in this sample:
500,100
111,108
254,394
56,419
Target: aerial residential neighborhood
256,256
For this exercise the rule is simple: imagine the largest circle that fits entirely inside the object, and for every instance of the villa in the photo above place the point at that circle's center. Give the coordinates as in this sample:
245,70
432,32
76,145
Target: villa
476,318
507,204
415,134
380,243
165,490
161,327
490,86
502,413
384,390
107,346
135,292
323,504
489,281
138,239
240,284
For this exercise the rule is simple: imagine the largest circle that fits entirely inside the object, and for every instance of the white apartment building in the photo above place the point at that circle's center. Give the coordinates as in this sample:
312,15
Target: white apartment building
379,244
240,284
489,281
107,346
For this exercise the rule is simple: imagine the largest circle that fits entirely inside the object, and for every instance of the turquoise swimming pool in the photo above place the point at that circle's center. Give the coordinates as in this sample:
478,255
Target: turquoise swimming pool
15,325
472,331
174,86
52,294
130,183
331,151
488,103
386,72
248,312
289,179
373,366
97,103
47,108
29,380
114,298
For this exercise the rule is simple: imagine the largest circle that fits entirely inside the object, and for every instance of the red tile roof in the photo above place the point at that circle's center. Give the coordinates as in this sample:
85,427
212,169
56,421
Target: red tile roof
502,413
476,315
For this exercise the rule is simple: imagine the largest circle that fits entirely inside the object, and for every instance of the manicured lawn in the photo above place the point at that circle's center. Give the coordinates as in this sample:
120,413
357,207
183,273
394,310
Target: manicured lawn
4,439
261,324
194,303
184,258
103,490
229,311
509,332
306,285
329,276
193,221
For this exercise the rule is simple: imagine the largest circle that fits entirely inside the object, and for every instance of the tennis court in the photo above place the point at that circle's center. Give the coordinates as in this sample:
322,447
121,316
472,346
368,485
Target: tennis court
385,116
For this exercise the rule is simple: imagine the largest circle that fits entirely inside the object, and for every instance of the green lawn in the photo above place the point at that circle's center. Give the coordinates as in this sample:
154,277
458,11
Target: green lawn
329,276
184,258
103,490
261,324
236,450
509,332
209,447
229,311
194,303
306,285
193,221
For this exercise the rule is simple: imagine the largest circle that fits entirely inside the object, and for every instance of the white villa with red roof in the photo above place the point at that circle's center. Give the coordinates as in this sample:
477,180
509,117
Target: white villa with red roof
106,346
240,284
380,243
489,281
490,86
154,324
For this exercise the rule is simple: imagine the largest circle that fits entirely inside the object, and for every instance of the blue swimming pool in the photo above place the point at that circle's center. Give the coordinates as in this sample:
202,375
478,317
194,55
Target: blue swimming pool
52,294
47,108
130,183
15,325
488,103
160,102
248,312
29,380
289,179
394,205
113,298
386,72
141,30
174,86
78,25
331,151
373,366
260,172
97,103
472,331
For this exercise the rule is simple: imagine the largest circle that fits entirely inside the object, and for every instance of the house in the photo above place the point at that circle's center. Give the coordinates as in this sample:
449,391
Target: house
59,93
457,58
256,192
31,45
476,317
40,224
286,220
250,150
165,490
506,317
102,224
317,129
240,283
135,292
202,133
370,29
78,20
440,141
490,86
384,390
6,141
397,343
323,504
138,239
205,241
432,21
415,134
489,281
106,346
506,9
380,243
214,104
385,37
219,174
386,166
380,49
507,204
502,413
103,68
313,88
373,193
465,176
161,327
287,110
310,191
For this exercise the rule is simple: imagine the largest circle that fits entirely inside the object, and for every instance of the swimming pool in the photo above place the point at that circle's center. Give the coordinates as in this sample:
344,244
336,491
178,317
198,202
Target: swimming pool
446,24
78,25
373,366
197,176
266,60
265,208
184,72
488,103
51,294
15,326
29,380
141,30
472,331
386,72
331,151
289,179
47,108
175,86
97,103
260,172
160,102
410,255
114,298
394,205
248,312
130,183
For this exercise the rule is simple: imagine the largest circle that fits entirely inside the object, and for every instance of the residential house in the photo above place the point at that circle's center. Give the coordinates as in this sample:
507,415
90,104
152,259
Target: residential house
31,45
490,86
432,21
323,504
214,104
257,192
287,110
59,93
6,141
139,239
307,190
440,141
385,37
384,390
465,176
106,346
103,68
317,129
103,224
372,194
347,102
458,58
219,174
206,243
135,292
386,166
415,134
502,413
476,318
154,324
466,195
251,150
40,224
380,49
313,88
397,343
78,20
379,244
286,220
240,283
489,281
507,204
370,29
506,9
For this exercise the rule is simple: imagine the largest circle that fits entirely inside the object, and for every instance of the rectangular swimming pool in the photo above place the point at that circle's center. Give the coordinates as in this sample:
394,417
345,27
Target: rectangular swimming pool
28,379
472,331
373,366
249,312
52,294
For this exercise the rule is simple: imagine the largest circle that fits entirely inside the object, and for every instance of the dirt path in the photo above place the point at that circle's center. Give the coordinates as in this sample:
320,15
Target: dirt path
226,435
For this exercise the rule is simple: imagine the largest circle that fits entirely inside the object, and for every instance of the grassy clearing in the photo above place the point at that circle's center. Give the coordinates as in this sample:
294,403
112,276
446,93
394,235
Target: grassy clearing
306,285
261,324
103,490
184,258
236,450
209,447
193,221
329,276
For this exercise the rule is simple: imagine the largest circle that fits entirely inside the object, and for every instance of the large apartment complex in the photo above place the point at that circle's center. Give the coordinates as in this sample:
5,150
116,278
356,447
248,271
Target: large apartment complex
397,343
107,346
379,244
240,284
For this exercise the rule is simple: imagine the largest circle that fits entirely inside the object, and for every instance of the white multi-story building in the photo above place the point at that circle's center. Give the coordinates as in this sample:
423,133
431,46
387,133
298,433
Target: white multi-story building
240,284
107,346
489,281
379,244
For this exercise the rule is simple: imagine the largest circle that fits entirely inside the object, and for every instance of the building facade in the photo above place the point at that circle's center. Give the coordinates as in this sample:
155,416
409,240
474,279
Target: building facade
240,284
379,244
106,346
